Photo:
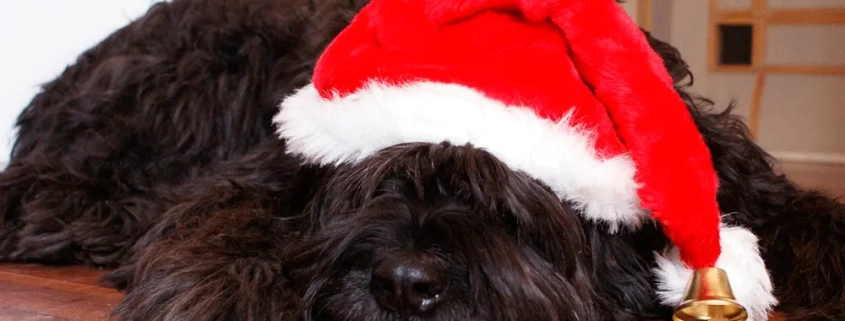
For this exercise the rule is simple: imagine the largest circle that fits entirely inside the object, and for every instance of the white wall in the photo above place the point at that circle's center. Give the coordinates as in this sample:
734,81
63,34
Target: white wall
39,38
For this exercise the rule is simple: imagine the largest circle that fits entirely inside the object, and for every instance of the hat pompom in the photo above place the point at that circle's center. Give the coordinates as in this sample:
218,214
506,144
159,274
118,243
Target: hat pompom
741,261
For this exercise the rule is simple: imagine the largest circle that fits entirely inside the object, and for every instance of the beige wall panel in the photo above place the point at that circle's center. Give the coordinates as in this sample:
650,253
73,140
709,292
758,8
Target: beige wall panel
738,88
661,19
803,114
820,45
630,7
689,21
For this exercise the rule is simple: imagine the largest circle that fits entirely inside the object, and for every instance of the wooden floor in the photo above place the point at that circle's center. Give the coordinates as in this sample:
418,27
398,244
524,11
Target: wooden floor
829,178
39,293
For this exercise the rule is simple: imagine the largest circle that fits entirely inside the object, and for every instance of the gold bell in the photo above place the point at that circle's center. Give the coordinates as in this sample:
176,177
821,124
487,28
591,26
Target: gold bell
709,297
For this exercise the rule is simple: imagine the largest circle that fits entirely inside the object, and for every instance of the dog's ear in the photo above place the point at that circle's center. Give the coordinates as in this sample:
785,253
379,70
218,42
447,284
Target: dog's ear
747,176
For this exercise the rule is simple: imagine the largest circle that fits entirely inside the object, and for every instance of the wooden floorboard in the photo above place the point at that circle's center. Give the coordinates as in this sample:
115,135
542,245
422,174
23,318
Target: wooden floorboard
828,178
41,293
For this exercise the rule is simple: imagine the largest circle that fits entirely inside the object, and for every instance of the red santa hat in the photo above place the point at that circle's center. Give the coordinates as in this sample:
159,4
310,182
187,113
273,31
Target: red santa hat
567,91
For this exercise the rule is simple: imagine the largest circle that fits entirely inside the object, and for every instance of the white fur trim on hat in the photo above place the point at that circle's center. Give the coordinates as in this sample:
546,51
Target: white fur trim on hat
562,155
740,259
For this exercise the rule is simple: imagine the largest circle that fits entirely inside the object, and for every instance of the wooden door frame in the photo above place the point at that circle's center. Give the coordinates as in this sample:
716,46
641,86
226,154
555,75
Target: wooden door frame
645,10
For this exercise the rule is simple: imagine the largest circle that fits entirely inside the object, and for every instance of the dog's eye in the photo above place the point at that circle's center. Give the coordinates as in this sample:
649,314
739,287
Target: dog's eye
511,224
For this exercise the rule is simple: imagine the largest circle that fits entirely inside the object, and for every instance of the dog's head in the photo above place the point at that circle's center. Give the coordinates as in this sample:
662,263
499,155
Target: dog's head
441,232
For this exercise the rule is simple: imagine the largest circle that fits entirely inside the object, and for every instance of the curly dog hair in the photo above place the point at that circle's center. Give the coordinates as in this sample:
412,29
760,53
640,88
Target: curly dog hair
154,154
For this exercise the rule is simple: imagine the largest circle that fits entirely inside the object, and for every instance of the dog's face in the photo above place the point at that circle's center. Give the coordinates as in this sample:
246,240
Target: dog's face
440,232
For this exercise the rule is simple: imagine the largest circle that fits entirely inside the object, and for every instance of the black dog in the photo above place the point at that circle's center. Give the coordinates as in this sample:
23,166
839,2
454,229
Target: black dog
155,154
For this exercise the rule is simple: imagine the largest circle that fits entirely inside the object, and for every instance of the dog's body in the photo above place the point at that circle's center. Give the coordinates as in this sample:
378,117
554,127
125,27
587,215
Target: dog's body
155,154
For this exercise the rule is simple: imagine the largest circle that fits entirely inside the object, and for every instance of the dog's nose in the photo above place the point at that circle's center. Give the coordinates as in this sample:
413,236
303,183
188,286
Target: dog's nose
408,284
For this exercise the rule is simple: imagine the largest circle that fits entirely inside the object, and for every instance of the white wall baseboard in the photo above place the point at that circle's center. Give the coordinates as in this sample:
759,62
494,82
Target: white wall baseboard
810,157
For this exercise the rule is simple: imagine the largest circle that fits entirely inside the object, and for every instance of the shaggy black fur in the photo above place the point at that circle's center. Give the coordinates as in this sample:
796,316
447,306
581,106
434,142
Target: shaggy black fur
154,154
